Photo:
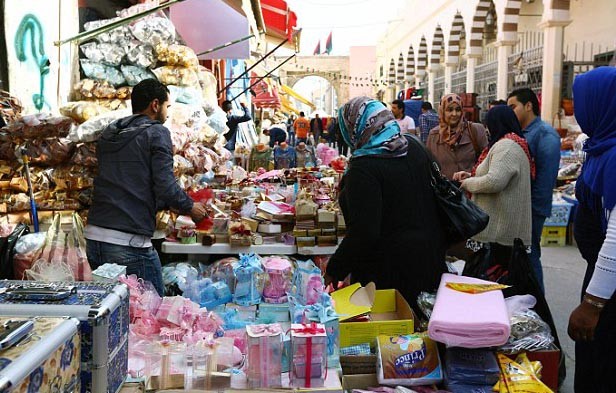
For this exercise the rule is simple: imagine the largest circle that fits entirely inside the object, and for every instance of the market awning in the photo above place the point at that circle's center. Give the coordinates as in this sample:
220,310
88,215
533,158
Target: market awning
286,89
266,93
206,24
280,22
286,106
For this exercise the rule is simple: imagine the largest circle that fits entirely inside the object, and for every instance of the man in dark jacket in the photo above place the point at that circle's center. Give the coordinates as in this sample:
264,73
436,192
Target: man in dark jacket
316,127
135,180
233,122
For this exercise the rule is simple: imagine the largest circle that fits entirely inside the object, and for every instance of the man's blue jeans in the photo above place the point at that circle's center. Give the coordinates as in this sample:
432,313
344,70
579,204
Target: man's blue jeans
535,254
143,262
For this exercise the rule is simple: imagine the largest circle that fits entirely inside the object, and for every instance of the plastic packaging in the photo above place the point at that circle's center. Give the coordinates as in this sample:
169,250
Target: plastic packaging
90,130
264,367
278,282
90,89
118,36
471,366
27,248
181,165
308,355
185,95
248,280
519,376
106,53
153,31
134,74
218,120
81,111
140,54
175,54
528,333
173,75
48,151
102,72
85,155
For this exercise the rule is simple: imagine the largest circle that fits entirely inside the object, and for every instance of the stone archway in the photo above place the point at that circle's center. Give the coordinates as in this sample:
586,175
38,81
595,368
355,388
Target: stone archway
330,68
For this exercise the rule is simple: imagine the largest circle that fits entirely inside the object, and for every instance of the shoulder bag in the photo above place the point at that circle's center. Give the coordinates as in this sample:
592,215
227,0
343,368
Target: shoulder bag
460,217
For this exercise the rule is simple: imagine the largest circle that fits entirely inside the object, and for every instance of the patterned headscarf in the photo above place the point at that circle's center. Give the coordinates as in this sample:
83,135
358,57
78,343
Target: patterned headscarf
447,134
369,128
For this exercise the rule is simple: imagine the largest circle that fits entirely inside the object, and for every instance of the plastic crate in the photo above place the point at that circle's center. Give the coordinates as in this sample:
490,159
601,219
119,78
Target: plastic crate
554,236
561,211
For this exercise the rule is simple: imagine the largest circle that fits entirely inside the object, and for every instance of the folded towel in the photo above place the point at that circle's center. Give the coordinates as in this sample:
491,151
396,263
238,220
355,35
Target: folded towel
468,320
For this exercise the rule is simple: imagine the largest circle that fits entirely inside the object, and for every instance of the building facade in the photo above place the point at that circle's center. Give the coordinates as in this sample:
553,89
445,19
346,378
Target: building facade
491,47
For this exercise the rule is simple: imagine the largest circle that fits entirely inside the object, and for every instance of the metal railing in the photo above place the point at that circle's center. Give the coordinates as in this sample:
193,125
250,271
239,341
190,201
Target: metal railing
486,75
525,69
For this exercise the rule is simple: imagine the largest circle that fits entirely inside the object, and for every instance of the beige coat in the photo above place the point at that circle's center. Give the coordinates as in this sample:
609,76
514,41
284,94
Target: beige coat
501,187
461,157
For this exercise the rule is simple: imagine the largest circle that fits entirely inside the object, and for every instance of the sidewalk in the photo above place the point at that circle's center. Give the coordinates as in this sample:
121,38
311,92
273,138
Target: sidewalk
563,271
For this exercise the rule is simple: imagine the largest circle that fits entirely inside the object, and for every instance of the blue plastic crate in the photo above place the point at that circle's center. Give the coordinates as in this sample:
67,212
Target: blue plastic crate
561,211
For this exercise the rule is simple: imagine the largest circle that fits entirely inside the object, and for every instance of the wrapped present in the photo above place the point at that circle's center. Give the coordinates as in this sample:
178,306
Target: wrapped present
308,355
325,216
304,205
307,283
248,280
239,234
109,272
205,292
278,281
264,356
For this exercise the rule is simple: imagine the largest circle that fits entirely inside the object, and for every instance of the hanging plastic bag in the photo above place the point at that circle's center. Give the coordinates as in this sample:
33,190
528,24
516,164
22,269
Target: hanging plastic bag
27,250
68,247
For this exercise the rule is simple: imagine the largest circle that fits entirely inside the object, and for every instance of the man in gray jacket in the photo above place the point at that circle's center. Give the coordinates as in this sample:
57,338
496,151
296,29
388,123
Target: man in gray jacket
135,180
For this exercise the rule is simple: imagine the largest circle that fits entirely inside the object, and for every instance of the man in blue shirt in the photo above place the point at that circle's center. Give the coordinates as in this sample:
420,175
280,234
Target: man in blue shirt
427,120
544,144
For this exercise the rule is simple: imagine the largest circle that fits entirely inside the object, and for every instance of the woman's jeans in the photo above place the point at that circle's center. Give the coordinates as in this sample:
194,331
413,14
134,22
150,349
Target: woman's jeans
141,261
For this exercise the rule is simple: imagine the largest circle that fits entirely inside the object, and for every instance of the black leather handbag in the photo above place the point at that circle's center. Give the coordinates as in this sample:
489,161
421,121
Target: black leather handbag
461,217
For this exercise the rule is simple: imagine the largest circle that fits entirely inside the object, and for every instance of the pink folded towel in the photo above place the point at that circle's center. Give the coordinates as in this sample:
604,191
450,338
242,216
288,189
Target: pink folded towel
469,320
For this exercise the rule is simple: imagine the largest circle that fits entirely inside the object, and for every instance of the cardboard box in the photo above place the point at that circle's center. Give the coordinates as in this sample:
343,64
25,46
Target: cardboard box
358,364
359,381
390,313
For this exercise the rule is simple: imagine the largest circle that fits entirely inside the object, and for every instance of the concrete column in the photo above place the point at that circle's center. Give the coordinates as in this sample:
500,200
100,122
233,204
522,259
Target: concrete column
471,64
432,70
449,70
553,35
504,49
419,77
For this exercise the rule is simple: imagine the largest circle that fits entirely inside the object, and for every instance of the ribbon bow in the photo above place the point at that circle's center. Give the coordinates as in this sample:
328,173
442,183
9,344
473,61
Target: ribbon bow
309,329
249,261
263,329
240,229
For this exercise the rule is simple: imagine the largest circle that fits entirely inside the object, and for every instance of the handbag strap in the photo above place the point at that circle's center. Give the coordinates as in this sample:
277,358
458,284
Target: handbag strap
471,134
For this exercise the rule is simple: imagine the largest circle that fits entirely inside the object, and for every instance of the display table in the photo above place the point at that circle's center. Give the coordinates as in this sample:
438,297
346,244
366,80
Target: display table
226,248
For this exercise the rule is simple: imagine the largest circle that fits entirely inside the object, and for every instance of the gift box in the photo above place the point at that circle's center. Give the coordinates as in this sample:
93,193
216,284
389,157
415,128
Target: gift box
251,223
272,313
248,280
240,240
308,241
308,355
326,217
315,232
264,356
325,241
300,232
108,272
239,234
278,280
220,224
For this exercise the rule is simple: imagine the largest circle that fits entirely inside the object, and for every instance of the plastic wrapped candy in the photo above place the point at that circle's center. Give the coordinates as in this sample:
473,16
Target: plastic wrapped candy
191,116
123,93
278,282
154,31
528,333
85,155
90,88
114,105
49,151
140,54
73,177
90,130
81,111
181,76
175,54
135,74
185,95
119,36
102,72
218,121
248,280
519,376
106,53
181,165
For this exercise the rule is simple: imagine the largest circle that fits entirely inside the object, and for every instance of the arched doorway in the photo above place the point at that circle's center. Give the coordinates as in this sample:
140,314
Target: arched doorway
320,92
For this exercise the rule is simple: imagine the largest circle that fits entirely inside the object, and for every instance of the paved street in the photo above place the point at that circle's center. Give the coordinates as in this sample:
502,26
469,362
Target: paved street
563,269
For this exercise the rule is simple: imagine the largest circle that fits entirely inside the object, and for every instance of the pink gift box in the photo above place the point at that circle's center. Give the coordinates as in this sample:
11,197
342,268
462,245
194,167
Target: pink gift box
264,359
308,355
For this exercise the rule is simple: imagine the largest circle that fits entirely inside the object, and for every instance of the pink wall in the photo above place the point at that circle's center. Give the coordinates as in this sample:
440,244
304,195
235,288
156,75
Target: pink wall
362,64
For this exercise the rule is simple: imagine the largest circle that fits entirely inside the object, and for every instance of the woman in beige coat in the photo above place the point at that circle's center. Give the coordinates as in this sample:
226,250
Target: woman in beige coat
500,181
455,143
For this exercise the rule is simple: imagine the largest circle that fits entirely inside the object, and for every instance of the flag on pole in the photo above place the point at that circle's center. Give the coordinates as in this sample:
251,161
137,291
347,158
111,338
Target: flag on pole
317,50
328,43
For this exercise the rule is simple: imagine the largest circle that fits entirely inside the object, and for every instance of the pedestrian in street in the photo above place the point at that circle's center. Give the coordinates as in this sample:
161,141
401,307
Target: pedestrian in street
500,182
332,131
276,135
233,122
544,144
427,121
455,143
316,128
291,130
302,127
394,238
406,123
593,323
135,179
